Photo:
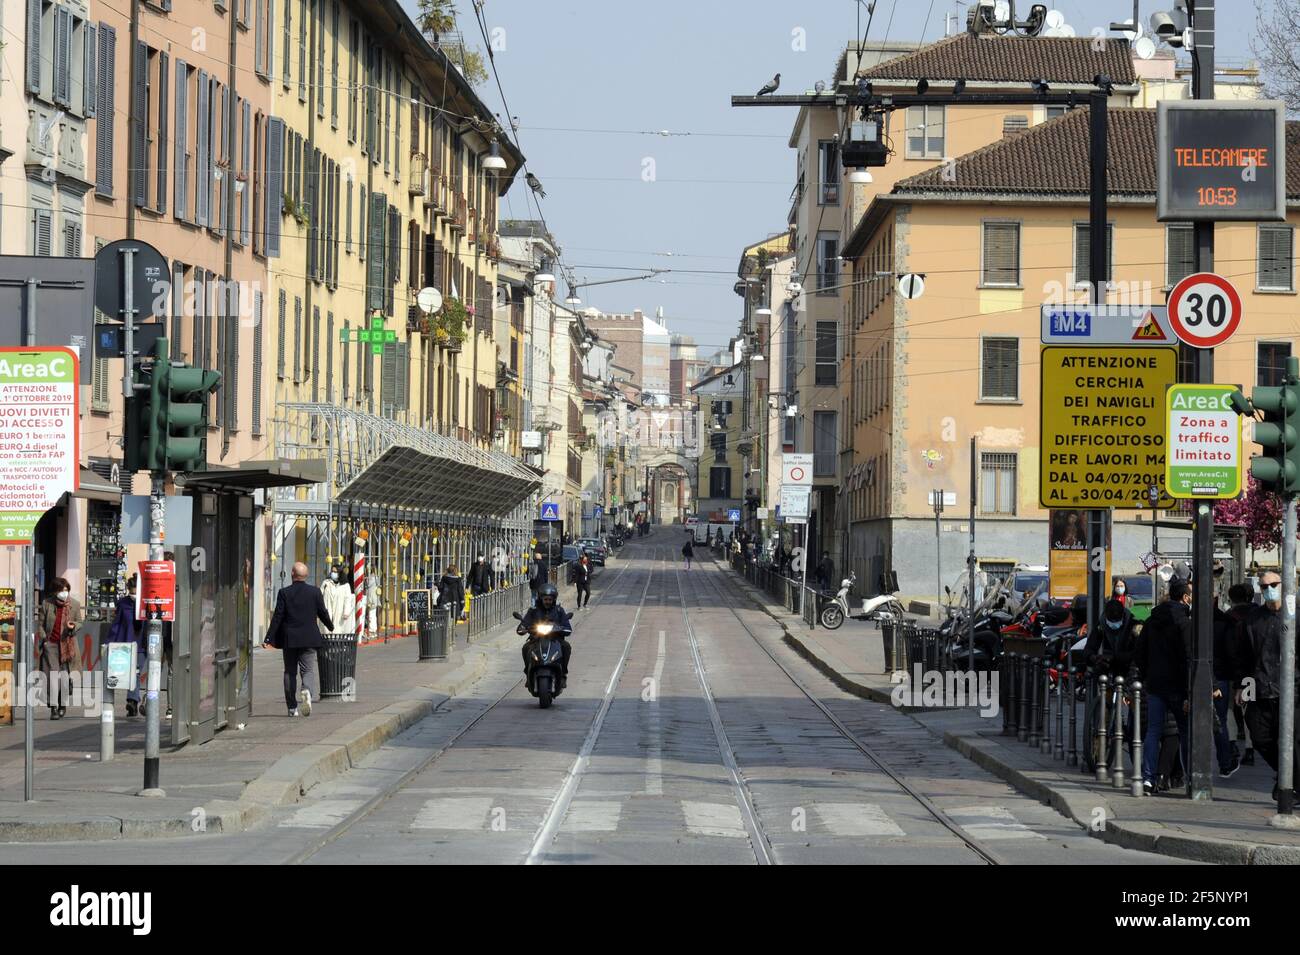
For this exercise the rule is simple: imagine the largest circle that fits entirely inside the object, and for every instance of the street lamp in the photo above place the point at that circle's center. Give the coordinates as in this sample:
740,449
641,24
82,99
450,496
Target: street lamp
493,164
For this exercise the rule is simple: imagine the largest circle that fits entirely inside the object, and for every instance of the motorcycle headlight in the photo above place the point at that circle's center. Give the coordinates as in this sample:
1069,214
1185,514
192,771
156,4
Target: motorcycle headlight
544,628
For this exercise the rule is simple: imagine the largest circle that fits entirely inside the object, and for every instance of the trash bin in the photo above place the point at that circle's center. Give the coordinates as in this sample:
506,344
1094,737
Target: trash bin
433,631
337,662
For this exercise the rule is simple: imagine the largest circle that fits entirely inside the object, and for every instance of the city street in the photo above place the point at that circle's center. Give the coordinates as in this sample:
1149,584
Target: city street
689,734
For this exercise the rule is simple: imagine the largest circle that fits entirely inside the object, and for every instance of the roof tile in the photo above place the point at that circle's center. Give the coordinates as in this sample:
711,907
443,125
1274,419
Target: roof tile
1011,59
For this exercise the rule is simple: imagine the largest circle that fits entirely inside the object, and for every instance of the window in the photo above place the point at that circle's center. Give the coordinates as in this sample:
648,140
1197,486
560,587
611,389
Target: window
720,482
1179,253
825,444
1270,362
998,483
999,369
1001,259
827,353
1274,268
829,163
1055,112
925,132
828,263
718,442
1083,252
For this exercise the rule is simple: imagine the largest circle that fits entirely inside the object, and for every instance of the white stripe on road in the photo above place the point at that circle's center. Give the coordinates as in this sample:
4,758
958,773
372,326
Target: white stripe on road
323,814
463,814
714,819
654,763
587,815
856,819
992,822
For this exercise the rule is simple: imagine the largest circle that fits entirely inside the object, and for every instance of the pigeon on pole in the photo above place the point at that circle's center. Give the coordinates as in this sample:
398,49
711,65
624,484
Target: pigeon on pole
535,184
770,87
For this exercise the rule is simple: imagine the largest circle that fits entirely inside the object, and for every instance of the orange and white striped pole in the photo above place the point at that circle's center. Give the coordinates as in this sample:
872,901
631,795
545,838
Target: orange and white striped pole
359,583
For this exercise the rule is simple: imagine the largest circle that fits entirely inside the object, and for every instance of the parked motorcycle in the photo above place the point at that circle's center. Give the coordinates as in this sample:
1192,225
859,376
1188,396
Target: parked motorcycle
545,658
885,607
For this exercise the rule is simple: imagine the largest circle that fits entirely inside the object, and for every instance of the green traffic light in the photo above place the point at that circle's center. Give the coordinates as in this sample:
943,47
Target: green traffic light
167,424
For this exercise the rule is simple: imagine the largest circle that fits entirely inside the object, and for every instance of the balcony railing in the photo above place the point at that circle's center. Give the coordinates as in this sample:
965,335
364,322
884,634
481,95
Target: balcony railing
460,213
438,194
419,184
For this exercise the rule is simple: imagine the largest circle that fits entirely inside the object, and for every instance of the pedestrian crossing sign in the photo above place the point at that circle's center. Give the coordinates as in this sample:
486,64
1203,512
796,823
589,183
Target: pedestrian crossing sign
550,511
733,515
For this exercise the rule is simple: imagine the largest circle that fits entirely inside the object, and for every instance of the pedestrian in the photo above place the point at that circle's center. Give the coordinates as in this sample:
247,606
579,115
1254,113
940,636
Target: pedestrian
1228,631
451,592
580,577
1119,591
56,626
124,630
480,576
1258,659
688,551
538,574
825,572
339,601
293,631
1162,663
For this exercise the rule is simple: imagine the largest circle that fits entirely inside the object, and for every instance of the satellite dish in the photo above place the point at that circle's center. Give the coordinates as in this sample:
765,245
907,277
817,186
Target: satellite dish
1144,47
1067,30
1001,10
429,300
1054,20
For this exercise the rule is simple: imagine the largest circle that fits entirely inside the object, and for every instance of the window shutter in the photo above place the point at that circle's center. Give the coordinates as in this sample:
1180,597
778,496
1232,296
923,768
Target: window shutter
42,232
1180,245
297,339
311,185
388,379
220,134
89,75
62,56
178,307
259,38
315,353
329,355
222,311
403,376
1083,252
343,347
202,154
363,237
288,41
302,51
393,256
1001,357
34,46
1001,253
182,140
199,357
280,336
334,65
1274,265
245,167
320,59
274,186
106,69
347,219
231,383
375,241
140,124
162,132
257,363
210,307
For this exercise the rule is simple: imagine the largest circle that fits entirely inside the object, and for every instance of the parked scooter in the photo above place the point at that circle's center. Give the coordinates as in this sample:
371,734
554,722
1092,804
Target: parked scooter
544,674
883,608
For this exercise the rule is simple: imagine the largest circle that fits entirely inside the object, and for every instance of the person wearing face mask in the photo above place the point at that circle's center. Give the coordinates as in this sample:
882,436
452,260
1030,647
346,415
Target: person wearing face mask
1161,660
56,646
1259,659
1229,627
480,576
339,601
1119,591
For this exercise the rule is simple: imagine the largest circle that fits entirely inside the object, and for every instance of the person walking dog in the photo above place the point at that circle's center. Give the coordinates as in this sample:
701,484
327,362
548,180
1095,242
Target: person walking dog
293,630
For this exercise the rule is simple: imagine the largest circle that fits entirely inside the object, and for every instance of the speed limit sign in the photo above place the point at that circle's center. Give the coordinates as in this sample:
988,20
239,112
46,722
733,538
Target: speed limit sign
1204,310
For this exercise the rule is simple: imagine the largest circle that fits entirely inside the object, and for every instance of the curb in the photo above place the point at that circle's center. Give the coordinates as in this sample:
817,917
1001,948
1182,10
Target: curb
284,782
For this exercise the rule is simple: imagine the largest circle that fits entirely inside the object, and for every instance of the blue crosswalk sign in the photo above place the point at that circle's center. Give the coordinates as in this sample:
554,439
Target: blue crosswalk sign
733,515
550,510
598,511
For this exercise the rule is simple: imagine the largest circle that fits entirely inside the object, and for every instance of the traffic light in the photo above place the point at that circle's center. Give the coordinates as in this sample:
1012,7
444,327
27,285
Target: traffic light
1278,469
167,420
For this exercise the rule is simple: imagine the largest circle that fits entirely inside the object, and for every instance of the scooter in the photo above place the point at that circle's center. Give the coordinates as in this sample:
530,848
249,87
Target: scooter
884,607
544,675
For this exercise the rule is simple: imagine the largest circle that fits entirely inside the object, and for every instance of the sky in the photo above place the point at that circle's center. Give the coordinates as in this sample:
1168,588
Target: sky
591,81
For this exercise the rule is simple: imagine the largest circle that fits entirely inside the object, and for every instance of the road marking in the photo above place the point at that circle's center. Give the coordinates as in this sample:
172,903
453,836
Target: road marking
322,814
654,763
587,815
856,819
714,819
457,813
992,822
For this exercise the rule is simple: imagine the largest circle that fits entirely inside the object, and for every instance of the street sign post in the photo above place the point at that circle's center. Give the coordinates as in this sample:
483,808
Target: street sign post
794,504
1103,433
1204,310
796,470
550,511
911,285
1203,452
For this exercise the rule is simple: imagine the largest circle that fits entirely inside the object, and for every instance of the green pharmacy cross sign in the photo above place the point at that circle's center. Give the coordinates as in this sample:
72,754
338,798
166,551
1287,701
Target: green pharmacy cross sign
376,336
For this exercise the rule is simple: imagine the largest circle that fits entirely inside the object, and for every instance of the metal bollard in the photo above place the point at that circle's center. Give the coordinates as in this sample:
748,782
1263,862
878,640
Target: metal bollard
1072,690
1032,676
1013,695
1045,743
1004,693
1138,788
1117,738
1022,682
1099,744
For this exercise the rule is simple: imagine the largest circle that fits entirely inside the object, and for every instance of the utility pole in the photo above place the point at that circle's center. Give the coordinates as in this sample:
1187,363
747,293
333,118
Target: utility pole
1098,265
938,555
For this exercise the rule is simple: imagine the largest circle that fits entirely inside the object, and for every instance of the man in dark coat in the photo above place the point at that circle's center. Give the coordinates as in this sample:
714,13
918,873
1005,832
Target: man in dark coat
480,580
451,592
293,630
1161,660
1259,668
539,574
825,572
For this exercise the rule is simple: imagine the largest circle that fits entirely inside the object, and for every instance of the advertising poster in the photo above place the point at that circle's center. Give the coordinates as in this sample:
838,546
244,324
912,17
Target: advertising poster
1067,547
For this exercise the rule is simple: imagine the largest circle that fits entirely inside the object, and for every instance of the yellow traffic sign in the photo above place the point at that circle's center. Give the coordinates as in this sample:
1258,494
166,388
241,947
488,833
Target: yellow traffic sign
1103,425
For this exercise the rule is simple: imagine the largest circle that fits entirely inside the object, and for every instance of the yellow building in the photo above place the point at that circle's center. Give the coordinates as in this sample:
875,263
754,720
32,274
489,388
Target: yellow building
1006,235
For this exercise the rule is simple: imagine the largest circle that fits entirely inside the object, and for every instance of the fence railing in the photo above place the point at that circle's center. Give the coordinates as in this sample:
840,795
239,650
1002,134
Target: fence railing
495,607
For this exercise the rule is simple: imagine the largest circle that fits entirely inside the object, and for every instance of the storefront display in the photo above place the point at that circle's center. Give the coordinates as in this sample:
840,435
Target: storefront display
104,564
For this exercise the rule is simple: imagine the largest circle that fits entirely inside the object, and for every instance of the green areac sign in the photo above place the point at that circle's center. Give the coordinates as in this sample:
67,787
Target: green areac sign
1203,442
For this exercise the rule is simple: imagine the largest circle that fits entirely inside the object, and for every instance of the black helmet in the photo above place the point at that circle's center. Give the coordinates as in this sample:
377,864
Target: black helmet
1079,605
548,590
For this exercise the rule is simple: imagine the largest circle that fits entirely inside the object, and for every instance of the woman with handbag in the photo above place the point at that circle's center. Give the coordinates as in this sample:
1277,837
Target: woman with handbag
56,644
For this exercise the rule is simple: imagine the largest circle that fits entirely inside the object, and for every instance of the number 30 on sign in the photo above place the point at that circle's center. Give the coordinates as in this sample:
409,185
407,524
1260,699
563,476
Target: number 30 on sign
1204,310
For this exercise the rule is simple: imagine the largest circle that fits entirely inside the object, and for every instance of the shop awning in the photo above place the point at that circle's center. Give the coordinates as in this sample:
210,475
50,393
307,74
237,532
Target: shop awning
251,475
96,488
407,477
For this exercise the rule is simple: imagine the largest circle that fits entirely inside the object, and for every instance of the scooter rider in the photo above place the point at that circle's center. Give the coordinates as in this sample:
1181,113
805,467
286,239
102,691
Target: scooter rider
548,609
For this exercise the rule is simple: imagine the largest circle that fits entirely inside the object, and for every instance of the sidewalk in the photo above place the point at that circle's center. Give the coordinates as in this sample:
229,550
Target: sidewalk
229,783
1231,829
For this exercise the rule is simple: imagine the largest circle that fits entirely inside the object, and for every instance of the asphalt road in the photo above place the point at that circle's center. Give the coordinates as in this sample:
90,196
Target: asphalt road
688,734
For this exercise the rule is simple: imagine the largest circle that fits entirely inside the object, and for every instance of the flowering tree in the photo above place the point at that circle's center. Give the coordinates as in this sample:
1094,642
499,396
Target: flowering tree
1259,511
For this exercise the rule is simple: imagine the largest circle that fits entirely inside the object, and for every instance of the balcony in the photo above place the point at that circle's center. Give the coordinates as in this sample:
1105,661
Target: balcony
460,213
437,197
419,184
474,226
